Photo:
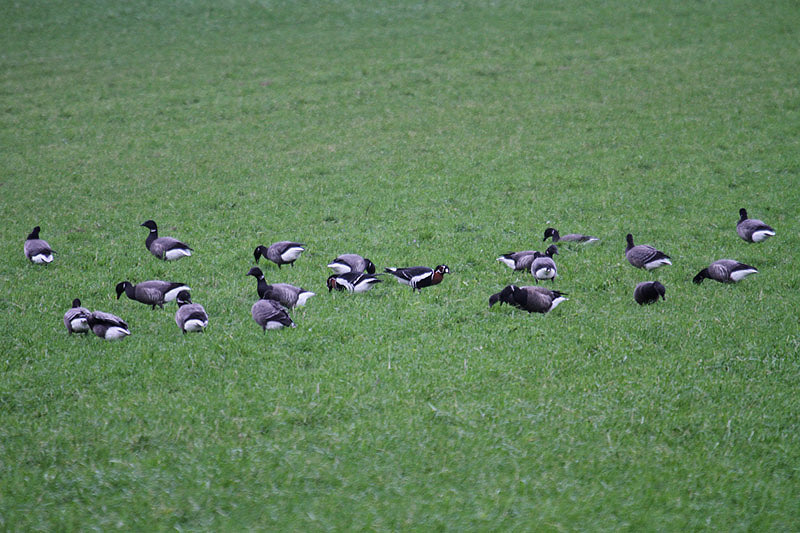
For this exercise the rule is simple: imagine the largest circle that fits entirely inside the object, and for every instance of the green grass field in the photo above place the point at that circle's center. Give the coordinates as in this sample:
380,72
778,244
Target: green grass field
414,133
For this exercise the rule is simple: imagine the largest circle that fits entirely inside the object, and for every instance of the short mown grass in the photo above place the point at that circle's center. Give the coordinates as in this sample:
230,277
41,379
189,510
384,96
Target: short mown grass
414,134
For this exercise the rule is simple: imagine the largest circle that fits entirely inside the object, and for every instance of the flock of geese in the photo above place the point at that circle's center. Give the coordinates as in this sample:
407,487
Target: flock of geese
354,273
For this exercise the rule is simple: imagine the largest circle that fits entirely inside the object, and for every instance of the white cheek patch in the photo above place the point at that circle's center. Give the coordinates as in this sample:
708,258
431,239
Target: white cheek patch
177,253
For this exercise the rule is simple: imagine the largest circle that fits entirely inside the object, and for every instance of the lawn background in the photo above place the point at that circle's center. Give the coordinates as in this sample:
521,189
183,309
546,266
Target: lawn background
414,133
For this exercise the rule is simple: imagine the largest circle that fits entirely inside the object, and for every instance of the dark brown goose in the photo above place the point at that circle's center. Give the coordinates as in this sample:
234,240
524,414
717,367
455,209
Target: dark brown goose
725,271
645,256
154,292
543,267
76,318
570,237
518,260
165,248
190,316
647,292
532,299
37,250
269,314
351,263
280,253
284,293
752,229
107,326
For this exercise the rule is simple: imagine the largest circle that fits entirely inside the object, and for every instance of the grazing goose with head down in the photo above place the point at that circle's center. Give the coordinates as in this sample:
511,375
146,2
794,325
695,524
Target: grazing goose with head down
165,248
284,293
107,326
352,282
76,318
269,314
533,299
645,256
752,229
647,292
351,263
419,277
543,267
190,316
725,271
280,253
37,250
518,260
154,292
571,237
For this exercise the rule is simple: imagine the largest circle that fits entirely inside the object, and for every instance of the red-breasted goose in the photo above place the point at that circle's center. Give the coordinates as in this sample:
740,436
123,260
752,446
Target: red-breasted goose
37,250
725,271
165,248
351,263
647,292
286,294
280,253
76,318
107,326
571,237
752,229
269,314
419,277
154,292
190,316
352,282
533,299
645,256
543,267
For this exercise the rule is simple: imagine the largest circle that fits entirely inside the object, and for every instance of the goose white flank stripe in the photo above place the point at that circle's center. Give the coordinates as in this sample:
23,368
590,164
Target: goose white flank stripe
644,256
725,271
752,229
352,282
532,299
76,319
154,292
648,292
165,248
280,253
190,316
351,263
37,250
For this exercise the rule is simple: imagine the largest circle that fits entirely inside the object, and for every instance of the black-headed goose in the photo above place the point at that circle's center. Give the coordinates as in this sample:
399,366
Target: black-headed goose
270,314
352,282
752,229
419,277
571,237
165,248
286,294
543,267
647,292
76,319
725,271
154,292
280,253
37,250
351,263
190,316
107,326
533,299
645,256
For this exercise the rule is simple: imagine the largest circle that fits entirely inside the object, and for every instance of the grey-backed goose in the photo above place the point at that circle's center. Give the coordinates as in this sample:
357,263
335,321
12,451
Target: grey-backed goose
286,294
165,248
645,256
571,237
76,318
419,277
543,267
280,253
37,250
351,263
190,316
269,314
752,229
154,292
518,260
725,271
647,292
533,299
352,282
107,326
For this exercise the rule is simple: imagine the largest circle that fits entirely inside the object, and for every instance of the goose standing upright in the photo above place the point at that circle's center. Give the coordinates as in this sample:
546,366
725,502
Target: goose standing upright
543,267
280,253
269,314
533,299
752,229
76,318
284,293
107,326
154,292
351,263
419,277
645,256
165,248
647,292
37,250
725,271
190,316
571,237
